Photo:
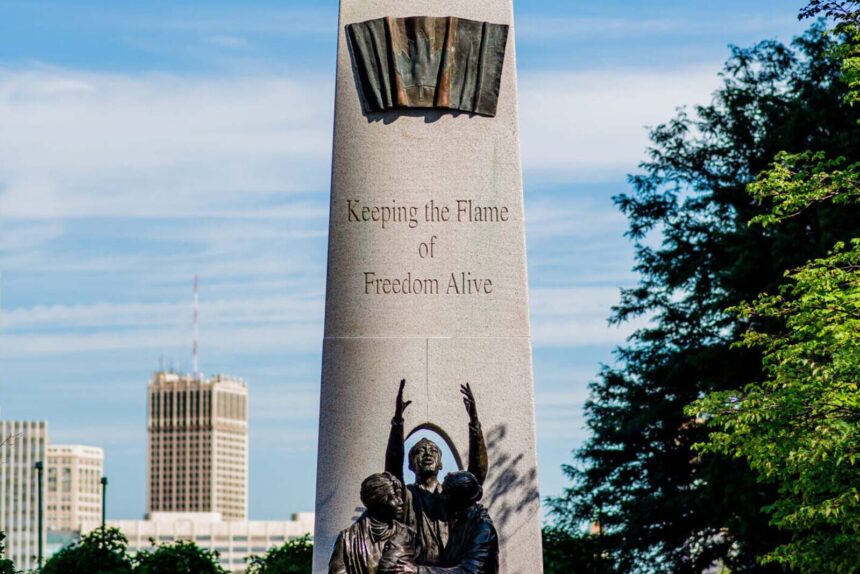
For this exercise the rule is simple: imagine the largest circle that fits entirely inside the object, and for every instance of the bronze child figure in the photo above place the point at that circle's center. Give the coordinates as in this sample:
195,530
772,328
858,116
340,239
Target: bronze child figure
473,544
359,548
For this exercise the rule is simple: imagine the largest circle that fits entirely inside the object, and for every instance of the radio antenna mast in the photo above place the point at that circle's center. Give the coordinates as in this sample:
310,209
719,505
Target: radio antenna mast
194,352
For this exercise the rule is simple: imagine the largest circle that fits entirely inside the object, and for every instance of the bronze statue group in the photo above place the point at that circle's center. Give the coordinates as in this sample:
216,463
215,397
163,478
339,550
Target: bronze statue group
425,527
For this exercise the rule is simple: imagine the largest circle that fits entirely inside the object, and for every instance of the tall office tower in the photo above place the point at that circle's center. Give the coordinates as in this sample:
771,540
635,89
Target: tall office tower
73,486
25,445
198,445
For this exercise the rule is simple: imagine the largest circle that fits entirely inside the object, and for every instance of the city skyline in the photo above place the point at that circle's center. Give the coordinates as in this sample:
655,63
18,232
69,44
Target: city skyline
145,144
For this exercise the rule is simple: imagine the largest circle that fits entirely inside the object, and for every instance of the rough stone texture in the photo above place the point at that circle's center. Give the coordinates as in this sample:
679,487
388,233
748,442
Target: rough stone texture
437,341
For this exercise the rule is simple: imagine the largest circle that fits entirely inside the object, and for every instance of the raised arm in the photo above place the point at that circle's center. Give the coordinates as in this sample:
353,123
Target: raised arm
478,463
395,453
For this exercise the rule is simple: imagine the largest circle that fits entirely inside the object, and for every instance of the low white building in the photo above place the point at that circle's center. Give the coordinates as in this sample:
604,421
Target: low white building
73,488
233,540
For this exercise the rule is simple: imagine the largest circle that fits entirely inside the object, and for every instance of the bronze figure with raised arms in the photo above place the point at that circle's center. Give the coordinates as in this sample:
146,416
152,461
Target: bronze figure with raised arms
424,508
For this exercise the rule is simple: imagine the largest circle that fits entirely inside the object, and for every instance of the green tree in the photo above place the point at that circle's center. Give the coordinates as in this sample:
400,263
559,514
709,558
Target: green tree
293,557
664,507
799,427
6,565
102,551
181,557
566,552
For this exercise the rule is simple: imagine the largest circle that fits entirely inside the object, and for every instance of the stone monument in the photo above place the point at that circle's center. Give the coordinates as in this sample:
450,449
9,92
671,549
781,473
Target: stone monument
427,263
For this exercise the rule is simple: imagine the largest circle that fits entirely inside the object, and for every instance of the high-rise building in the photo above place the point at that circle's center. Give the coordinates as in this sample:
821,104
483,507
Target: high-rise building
198,445
73,486
25,445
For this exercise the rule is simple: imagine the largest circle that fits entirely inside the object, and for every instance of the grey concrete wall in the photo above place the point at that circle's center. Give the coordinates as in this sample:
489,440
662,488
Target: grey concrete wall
437,341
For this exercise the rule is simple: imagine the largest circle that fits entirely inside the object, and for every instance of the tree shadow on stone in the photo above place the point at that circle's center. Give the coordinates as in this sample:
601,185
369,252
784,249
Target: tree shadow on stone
511,491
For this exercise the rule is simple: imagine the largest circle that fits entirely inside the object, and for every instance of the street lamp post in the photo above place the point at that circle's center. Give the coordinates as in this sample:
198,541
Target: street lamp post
104,501
40,466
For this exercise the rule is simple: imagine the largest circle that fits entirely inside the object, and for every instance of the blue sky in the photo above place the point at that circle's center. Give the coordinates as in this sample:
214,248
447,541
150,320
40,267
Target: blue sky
144,142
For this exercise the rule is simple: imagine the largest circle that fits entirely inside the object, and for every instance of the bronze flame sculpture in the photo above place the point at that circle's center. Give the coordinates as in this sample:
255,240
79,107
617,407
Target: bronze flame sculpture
429,62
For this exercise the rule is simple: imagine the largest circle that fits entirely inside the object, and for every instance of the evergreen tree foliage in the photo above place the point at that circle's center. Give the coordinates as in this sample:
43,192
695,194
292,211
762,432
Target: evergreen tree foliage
293,557
102,551
799,427
663,506
567,552
183,557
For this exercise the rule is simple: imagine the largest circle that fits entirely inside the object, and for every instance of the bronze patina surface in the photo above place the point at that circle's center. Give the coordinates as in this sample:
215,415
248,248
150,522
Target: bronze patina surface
429,62
424,507
426,527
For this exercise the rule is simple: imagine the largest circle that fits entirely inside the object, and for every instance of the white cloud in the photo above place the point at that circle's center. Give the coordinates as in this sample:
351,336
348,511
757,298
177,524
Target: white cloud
283,440
292,338
118,438
78,144
537,28
16,237
559,406
585,125
574,394
216,312
577,317
256,21
570,429
227,41
573,218
579,301
285,402
548,28
229,326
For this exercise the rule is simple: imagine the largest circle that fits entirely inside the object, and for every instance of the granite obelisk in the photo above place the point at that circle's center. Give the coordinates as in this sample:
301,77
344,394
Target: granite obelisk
427,264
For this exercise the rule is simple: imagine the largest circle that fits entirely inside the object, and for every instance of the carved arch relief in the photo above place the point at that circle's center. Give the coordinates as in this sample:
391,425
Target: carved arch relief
428,62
